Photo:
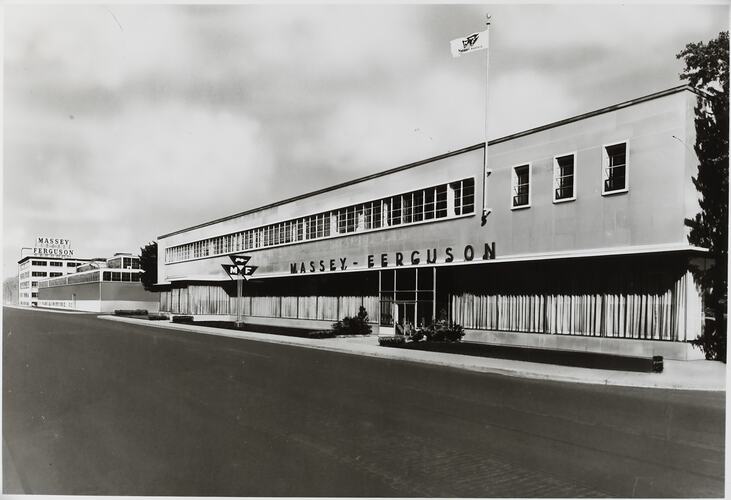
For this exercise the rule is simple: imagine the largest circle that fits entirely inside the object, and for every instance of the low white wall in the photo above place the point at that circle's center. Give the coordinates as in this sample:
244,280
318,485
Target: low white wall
97,306
79,305
112,305
606,345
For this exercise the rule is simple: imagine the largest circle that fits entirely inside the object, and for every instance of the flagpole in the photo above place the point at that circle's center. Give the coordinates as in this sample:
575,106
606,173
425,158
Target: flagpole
486,171
239,283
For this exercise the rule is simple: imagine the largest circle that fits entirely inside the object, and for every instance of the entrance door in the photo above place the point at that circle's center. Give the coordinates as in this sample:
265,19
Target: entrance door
404,317
406,299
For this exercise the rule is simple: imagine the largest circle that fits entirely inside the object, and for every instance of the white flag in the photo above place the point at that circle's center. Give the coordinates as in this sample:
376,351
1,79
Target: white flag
470,43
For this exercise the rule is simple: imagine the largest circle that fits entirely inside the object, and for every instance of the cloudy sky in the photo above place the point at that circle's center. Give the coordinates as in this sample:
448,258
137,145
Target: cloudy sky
125,122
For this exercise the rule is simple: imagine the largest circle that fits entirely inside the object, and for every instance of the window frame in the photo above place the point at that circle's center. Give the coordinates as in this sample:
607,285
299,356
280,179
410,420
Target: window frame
513,185
605,165
556,170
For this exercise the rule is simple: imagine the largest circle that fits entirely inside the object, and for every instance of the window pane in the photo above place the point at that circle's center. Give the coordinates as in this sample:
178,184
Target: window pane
429,203
359,218
368,216
406,207
617,154
418,206
457,189
326,223
441,201
564,177
520,186
616,171
468,196
395,210
377,215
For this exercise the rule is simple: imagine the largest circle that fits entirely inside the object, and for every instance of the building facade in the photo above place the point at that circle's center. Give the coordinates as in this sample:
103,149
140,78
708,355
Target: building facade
33,269
99,285
572,237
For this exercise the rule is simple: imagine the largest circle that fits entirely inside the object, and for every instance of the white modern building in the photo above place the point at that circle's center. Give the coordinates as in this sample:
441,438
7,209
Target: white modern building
573,239
36,267
99,285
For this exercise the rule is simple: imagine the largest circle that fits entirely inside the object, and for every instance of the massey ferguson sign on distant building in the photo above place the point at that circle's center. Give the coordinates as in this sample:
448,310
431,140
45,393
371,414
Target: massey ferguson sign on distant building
56,247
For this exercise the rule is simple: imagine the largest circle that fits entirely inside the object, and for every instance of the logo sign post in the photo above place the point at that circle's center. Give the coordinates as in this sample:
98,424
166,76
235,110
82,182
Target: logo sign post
240,272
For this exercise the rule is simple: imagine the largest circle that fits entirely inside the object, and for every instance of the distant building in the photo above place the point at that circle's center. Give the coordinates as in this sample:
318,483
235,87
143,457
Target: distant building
99,285
49,258
584,246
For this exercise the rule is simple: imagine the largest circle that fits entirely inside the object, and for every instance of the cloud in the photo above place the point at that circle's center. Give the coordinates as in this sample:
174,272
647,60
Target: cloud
145,168
95,45
367,134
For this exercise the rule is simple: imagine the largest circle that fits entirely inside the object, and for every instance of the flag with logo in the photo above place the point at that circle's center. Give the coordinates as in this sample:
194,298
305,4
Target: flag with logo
470,43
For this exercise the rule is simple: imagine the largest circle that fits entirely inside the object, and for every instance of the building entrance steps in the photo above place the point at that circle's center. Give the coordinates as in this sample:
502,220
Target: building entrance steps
682,375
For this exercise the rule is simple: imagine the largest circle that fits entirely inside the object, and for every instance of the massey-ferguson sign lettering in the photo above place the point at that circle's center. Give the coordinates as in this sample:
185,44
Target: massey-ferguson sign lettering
52,247
396,259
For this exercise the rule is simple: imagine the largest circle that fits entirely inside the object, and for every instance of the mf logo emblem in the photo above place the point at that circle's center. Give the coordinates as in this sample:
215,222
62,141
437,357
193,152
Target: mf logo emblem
469,42
239,269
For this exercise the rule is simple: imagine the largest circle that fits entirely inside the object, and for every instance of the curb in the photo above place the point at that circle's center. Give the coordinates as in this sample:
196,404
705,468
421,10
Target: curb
521,369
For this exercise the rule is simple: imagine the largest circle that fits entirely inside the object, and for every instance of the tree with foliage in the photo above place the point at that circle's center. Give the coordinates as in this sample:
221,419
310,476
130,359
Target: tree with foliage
10,291
706,69
148,263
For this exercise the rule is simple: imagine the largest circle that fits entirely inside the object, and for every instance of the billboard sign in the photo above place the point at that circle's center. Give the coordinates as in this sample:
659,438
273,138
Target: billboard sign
52,247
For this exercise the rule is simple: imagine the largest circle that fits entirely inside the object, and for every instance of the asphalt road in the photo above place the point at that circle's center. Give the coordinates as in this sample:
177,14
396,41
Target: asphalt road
99,407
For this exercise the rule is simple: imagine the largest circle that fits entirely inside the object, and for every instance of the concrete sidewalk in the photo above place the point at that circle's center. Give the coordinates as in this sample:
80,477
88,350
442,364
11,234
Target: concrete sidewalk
686,375
46,309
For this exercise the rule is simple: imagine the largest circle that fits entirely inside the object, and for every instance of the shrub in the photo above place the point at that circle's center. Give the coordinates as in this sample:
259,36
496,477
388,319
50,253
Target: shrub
417,335
357,325
157,316
320,334
394,341
130,312
442,331
182,319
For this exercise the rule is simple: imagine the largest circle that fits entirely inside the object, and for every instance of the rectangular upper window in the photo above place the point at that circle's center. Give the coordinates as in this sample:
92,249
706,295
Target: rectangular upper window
464,196
55,263
564,178
39,263
614,171
520,186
